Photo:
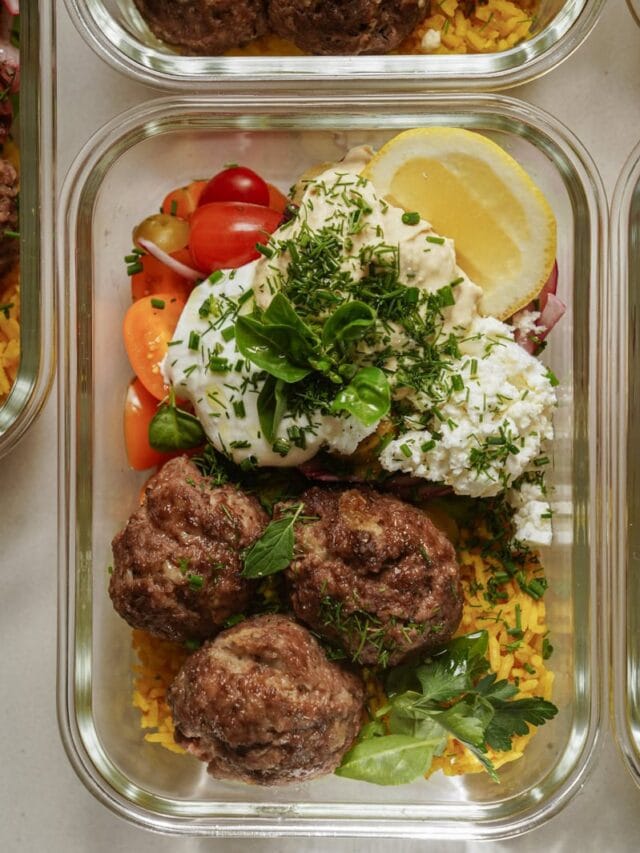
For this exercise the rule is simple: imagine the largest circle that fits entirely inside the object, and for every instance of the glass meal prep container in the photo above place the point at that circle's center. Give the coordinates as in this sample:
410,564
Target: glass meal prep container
634,7
117,178
37,292
625,511
115,29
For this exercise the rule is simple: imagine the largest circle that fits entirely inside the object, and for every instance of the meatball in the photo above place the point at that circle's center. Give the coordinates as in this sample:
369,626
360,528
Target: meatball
177,563
205,27
332,26
9,245
374,575
261,703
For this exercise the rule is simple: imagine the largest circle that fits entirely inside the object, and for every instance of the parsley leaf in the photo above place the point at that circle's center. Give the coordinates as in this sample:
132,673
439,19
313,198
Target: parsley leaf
513,718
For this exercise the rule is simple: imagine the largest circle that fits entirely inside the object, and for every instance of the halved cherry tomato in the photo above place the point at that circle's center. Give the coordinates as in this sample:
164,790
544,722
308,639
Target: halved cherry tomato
237,183
224,234
277,200
183,201
147,329
157,277
139,409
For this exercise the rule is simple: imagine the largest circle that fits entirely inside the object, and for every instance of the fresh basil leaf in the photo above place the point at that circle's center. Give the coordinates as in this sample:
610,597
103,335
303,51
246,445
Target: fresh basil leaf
272,404
367,397
274,348
174,429
513,718
273,551
468,719
348,323
389,760
282,313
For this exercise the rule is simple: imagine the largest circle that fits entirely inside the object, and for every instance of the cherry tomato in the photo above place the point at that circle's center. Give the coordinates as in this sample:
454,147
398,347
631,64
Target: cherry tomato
224,234
139,408
183,201
157,277
168,232
277,200
237,183
148,327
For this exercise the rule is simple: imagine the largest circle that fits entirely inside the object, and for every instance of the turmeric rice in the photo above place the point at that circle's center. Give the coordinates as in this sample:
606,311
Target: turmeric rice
9,331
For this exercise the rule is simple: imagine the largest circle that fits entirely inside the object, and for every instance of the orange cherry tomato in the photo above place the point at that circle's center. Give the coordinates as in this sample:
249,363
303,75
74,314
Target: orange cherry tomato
184,200
148,327
157,277
277,200
139,409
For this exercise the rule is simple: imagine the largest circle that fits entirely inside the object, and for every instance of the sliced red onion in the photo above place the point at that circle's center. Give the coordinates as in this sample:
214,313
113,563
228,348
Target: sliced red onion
551,286
553,311
13,6
177,266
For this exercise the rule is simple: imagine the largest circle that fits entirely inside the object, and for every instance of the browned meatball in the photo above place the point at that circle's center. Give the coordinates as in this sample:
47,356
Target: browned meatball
333,26
262,703
205,27
374,575
177,563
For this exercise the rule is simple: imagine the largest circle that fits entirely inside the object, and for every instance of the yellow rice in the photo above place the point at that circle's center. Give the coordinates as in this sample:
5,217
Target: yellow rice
10,318
493,26
160,661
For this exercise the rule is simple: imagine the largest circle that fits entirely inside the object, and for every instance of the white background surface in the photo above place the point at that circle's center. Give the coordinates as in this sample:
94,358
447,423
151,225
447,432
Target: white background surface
43,806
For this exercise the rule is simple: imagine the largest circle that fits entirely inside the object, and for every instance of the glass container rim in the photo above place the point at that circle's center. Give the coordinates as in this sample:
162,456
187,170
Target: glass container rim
487,72
262,822
627,186
37,289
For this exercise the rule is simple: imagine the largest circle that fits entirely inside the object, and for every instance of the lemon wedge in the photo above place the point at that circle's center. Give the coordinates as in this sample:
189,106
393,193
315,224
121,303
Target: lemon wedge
471,190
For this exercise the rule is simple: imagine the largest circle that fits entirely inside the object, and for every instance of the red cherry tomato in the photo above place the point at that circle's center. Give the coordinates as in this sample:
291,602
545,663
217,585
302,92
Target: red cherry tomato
237,183
224,234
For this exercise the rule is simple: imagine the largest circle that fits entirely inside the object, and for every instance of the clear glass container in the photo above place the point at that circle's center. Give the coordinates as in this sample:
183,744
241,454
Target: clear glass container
634,7
37,291
115,29
117,178
625,479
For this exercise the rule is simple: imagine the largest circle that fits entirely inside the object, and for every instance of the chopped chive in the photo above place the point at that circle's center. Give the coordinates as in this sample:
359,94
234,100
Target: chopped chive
445,296
131,259
174,343
195,581
239,409
134,269
457,281
228,333
239,444
281,446
218,364
406,450
474,367
157,303
553,379
411,218
439,241
194,340
8,232
267,251
216,276
456,382
540,461
426,446
245,296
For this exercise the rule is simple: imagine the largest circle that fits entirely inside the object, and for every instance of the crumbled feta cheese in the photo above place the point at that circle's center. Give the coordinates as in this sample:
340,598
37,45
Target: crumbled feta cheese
492,429
431,40
526,322
532,516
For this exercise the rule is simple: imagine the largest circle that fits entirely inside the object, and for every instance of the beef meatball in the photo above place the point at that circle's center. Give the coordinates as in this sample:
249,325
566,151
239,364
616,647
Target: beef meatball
9,245
261,703
374,575
206,27
332,26
177,563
